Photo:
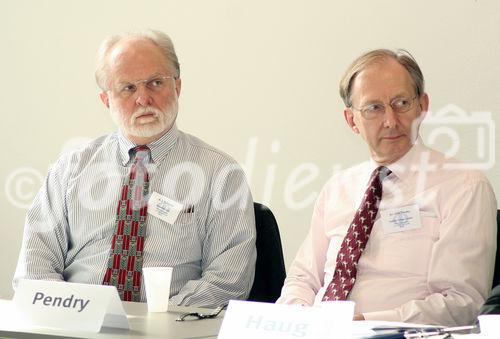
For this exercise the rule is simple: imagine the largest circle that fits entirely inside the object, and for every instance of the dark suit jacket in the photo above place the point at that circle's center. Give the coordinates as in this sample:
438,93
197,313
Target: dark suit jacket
492,304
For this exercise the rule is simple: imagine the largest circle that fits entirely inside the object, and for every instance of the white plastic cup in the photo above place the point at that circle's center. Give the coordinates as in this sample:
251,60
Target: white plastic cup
157,282
490,325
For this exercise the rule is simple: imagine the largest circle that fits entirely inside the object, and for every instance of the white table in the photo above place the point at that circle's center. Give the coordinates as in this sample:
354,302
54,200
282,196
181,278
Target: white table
142,325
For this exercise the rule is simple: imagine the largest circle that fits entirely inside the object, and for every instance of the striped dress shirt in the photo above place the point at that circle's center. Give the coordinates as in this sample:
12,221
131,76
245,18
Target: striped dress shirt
211,244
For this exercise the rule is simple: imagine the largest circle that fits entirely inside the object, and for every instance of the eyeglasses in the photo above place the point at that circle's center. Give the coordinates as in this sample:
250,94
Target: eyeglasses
155,84
197,316
376,110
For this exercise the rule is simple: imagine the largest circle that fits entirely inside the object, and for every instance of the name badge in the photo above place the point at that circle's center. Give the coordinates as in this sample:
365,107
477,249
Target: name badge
250,320
400,219
164,208
69,306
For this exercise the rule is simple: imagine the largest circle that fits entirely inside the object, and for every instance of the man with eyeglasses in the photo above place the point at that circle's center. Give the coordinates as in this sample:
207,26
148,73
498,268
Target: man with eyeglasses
148,195
409,235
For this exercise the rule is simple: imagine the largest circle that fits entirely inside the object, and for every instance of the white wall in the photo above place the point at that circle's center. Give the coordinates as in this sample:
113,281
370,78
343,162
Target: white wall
260,81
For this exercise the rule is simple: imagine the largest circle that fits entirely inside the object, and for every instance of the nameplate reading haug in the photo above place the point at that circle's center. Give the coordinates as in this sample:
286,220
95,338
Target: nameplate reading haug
249,320
69,306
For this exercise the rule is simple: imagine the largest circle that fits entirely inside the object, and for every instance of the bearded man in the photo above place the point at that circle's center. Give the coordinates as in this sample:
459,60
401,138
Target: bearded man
148,195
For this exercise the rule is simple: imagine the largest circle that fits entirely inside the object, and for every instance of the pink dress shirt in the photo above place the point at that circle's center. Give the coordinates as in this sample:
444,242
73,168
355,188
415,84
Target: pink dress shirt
439,274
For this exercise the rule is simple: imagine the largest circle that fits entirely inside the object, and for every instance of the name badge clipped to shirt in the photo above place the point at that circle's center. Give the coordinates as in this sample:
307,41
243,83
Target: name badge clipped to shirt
164,208
400,219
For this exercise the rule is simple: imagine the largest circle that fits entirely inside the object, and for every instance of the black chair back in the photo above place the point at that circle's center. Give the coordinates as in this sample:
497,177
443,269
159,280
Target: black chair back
496,276
270,266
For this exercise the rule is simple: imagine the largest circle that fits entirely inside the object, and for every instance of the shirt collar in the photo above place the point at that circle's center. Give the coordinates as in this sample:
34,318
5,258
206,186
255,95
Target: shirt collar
404,166
159,148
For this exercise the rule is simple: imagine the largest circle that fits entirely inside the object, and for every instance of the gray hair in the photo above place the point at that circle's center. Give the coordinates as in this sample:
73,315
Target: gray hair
159,38
403,57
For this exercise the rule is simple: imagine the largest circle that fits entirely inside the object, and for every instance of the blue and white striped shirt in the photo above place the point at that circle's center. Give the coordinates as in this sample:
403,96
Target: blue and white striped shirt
211,244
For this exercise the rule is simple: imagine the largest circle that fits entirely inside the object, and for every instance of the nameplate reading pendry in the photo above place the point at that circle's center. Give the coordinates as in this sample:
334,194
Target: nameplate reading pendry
69,302
69,306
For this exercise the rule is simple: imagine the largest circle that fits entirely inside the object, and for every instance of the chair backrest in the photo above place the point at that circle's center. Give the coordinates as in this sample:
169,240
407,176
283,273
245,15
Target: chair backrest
270,266
496,277
492,303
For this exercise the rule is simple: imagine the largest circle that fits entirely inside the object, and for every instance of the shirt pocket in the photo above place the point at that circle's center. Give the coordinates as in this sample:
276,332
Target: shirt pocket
185,218
177,243
183,227
406,252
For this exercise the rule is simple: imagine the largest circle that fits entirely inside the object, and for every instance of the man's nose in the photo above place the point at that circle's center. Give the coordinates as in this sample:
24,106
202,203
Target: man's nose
390,117
143,96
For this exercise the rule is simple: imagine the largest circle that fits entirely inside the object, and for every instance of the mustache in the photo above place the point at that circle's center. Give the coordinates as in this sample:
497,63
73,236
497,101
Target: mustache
143,110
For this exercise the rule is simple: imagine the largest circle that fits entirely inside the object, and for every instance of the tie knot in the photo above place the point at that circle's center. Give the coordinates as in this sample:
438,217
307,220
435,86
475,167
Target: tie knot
381,172
140,153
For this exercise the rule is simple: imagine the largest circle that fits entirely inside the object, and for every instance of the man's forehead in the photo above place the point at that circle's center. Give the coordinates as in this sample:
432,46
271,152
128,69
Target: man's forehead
130,49
136,58
381,76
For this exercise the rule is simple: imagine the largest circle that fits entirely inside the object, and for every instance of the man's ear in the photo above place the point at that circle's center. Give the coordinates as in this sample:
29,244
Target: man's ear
178,84
104,98
424,105
349,118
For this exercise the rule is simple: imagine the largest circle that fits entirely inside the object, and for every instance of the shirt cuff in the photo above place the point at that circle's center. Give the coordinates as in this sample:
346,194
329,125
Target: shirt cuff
389,315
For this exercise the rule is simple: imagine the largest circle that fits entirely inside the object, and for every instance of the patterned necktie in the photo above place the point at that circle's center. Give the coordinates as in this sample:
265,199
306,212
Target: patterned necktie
125,259
356,238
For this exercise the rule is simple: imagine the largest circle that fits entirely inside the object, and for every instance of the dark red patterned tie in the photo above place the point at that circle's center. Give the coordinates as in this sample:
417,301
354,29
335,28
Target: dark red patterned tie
125,259
356,238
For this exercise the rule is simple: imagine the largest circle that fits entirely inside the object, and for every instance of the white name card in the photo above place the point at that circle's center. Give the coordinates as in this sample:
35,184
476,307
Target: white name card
69,306
400,219
250,320
164,208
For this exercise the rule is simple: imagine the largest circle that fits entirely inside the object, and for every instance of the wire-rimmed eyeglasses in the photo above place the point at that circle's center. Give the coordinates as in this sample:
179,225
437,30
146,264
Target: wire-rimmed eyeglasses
377,109
198,316
155,83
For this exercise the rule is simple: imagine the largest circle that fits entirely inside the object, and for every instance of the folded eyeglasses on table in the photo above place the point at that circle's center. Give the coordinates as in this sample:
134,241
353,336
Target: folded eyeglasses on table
198,316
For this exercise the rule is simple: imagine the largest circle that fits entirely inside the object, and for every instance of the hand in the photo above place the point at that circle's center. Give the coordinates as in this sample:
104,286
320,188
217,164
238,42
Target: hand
358,316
